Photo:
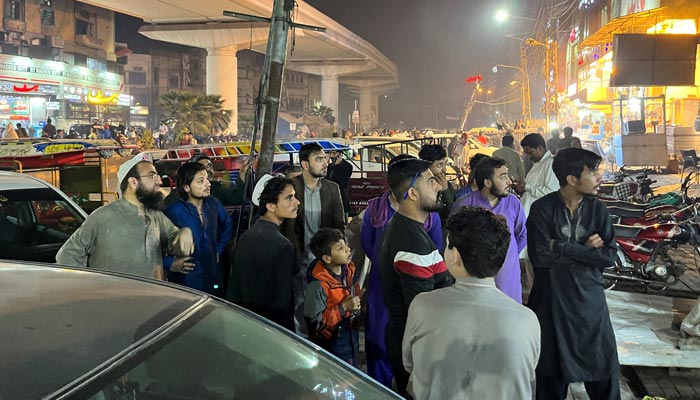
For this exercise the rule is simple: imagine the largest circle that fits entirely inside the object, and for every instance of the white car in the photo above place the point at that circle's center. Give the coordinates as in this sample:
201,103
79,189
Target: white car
35,218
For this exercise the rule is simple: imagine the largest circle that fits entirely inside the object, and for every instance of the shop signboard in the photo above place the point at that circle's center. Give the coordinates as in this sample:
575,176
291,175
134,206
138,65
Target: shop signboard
5,105
20,106
56,73
53,105
628,7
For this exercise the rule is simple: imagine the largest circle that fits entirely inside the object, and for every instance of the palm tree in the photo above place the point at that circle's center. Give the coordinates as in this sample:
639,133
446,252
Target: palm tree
326,113
198,112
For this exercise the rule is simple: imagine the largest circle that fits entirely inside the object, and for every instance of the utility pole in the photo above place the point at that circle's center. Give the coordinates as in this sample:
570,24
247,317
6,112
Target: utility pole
270,89
527,108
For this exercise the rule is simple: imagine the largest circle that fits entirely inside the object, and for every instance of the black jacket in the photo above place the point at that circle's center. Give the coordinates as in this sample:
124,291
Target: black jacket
261,275
578,342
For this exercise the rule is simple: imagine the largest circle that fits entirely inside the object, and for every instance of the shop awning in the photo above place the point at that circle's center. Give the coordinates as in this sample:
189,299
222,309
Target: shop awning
632,23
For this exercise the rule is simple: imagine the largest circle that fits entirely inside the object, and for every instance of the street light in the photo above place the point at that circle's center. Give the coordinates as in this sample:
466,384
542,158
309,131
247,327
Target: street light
524,90
502,15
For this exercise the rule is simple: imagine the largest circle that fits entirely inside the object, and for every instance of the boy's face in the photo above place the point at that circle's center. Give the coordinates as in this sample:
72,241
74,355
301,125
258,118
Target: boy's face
340,254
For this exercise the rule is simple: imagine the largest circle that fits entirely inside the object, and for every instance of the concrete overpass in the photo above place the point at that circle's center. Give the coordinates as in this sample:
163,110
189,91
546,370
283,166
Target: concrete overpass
338,55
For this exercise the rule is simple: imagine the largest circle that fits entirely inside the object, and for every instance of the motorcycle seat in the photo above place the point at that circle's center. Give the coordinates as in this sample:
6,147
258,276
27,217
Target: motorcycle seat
625,230
624,204
626,212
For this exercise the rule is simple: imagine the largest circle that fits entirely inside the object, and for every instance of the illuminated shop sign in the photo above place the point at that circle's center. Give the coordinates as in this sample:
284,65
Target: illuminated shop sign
54,72
20,107
27,88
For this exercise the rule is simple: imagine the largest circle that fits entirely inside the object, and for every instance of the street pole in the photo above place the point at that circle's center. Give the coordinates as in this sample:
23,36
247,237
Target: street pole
267,109
436,117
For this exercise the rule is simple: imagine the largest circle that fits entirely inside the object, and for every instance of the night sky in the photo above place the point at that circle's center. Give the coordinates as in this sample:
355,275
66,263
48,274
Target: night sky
435,45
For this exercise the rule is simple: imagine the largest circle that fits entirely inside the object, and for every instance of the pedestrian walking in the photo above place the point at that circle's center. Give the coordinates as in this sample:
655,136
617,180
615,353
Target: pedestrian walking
570,241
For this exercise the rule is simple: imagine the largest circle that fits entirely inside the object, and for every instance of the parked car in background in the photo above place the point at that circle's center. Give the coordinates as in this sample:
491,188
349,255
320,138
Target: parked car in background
85,334
35,218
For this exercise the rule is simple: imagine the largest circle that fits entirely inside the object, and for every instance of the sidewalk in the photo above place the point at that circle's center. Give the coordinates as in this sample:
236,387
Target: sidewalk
668,383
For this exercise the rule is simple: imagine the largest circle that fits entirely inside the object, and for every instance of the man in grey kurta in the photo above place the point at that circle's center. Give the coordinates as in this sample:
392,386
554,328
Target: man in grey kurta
130,234
471,341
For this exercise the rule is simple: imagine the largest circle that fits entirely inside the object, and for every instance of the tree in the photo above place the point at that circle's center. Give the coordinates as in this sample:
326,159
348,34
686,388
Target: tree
326,114
200,113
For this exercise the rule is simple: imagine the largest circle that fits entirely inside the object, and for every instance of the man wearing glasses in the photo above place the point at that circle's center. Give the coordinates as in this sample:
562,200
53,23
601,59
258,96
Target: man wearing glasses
131,234
320,206
409,261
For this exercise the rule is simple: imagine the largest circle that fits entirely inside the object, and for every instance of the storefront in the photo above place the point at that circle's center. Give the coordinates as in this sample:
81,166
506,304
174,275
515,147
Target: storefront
32,90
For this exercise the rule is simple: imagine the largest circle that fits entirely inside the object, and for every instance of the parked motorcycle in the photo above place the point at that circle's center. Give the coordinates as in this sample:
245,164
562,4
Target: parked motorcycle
643,254
624,186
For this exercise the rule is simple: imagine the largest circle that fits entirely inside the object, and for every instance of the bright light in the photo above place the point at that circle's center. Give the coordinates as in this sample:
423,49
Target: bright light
501,15
553,125
514,83
674,26
489,91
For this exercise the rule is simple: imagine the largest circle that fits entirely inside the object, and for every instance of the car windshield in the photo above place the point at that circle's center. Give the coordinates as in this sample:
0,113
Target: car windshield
224,353
35,223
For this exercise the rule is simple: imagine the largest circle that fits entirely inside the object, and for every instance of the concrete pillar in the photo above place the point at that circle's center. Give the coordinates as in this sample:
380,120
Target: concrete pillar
374,112
329,93
365,108
222,79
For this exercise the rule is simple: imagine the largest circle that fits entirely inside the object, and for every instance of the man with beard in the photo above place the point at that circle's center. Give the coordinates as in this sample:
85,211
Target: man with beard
261,276
436,155
130,234
570,241
210,224
320,206
409,261
491,176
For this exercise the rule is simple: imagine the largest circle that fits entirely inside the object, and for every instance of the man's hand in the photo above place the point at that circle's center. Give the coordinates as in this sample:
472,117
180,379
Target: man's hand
442,180
519,186
183,244
243,173
594,241
182,265
351,303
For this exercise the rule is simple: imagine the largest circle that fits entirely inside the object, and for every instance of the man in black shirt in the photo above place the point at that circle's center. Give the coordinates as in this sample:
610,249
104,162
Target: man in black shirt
340,171
263,262
49,130
409,262
570,240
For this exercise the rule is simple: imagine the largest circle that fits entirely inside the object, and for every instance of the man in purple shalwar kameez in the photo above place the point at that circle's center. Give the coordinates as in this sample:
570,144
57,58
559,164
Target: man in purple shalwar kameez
493,182
378,213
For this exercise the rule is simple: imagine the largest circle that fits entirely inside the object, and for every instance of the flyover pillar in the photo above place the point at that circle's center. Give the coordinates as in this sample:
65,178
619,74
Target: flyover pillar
331,71
222,79
366,96
329,92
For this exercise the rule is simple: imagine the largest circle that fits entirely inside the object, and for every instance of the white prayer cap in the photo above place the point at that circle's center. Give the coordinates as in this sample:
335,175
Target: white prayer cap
127,166
259,187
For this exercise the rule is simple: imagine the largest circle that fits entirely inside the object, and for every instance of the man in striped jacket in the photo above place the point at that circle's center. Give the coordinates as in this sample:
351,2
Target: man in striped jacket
409,262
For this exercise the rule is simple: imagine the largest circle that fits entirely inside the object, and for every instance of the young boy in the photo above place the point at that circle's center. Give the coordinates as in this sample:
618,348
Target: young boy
332,300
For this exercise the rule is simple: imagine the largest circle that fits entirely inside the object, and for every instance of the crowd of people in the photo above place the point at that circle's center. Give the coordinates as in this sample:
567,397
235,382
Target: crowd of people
450,269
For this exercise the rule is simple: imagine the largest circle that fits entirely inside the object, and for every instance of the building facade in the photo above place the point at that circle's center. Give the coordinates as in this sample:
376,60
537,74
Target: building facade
58,60
150,76
588,101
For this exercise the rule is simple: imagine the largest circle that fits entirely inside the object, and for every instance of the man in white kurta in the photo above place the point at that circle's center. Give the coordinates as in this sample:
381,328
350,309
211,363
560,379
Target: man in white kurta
471,341
540,181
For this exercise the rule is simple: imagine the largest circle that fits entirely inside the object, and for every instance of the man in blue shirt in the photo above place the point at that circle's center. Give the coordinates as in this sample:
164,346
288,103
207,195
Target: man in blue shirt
211,229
